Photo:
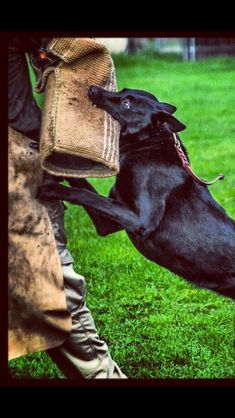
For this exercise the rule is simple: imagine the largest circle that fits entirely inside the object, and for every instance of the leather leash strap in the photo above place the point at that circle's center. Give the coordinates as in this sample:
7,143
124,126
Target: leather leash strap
187,167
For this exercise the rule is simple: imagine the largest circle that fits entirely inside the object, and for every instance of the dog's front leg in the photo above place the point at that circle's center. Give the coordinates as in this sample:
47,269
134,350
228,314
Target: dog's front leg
105,206
104,226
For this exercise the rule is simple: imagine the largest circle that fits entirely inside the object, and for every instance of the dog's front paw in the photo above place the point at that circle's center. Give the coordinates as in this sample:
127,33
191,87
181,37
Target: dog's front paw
46,192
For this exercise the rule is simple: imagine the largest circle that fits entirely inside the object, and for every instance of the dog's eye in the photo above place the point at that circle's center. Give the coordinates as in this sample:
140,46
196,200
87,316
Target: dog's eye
126,103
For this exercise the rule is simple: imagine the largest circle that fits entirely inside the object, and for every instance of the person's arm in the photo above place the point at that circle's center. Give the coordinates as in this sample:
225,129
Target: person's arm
24,115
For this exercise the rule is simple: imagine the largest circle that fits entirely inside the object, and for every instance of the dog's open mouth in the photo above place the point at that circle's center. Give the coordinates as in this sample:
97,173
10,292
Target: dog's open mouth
95,95
103,99
96,101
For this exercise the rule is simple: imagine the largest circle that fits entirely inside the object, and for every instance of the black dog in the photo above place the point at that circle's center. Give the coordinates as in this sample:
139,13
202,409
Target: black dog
168,212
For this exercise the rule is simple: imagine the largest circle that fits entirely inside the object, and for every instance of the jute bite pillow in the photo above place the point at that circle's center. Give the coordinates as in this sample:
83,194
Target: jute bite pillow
78,139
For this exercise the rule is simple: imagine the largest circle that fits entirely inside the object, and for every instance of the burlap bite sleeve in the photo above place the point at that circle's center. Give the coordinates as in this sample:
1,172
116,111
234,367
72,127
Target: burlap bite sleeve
78,139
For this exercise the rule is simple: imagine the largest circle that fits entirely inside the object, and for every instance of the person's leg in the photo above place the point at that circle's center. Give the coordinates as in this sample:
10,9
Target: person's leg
83,354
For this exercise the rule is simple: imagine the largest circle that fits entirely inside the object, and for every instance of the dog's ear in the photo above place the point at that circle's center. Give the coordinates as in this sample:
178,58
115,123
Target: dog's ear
167,107
161,118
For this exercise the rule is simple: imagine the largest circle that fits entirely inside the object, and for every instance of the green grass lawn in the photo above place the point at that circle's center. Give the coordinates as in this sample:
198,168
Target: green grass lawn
156,324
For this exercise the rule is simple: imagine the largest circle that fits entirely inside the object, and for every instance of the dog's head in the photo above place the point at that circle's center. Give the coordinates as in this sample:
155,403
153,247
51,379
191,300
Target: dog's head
138,112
